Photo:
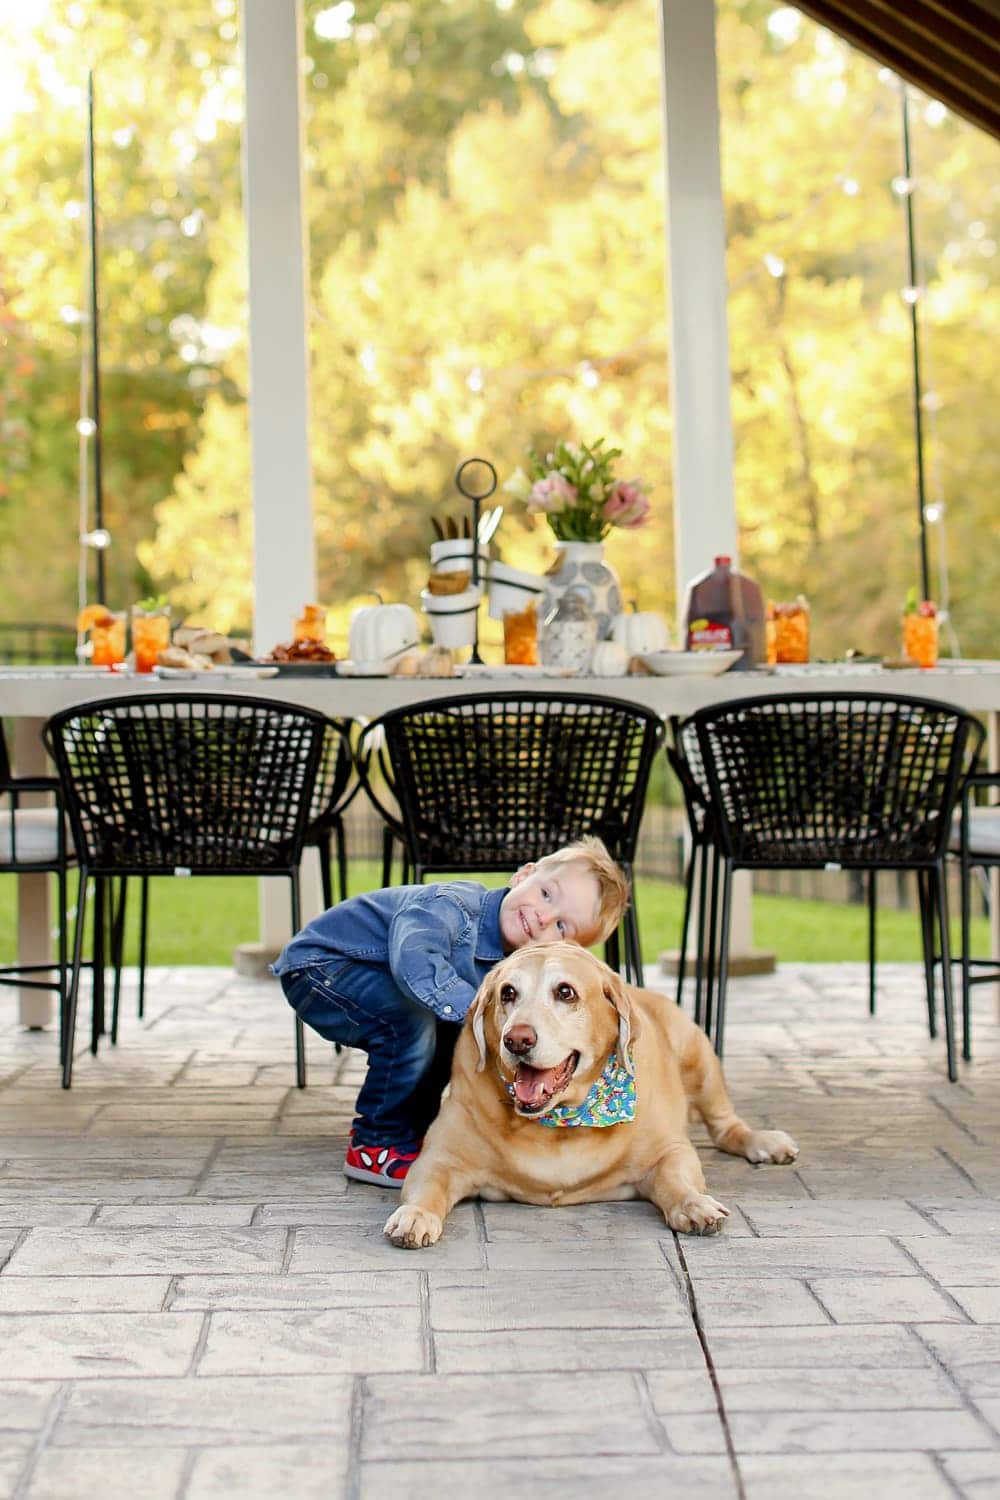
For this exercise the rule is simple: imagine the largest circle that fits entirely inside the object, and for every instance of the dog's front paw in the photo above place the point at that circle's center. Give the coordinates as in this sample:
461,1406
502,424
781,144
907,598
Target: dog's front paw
698,1215
771,1145
412,1227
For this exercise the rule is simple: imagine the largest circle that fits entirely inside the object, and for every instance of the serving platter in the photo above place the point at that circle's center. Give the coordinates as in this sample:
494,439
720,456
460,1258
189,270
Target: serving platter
211,674
690,663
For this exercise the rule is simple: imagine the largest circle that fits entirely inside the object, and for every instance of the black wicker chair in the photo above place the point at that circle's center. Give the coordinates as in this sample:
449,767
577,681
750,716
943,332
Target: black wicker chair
684,758
33,841
487,782
177,784
976,842
853,781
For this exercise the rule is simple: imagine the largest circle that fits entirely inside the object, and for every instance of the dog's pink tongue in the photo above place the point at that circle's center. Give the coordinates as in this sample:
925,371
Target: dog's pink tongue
533,1086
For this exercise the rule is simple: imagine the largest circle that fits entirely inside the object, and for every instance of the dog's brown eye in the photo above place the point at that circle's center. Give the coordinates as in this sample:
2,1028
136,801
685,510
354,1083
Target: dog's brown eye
508,994
565,991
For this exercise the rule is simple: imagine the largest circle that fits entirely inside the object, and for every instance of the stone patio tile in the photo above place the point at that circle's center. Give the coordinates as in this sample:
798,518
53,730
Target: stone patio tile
840,1255
307,1341
75,1186
134,1252
346,1210
980,1303
673,1350
976,1474
308,1471
971,1355
187,1213
589,1478
454,1416
60,1346
19,1214
215,1411
560,1299
527,1224
835,1431
884,1299
846,1476
829,1388
912,1181
768,1303
349,1290
960,1260
877,1347
266,1185
94,1294
113,1474
552,1255
836,1216
329,1249
74,1148
24,1405
15,1452
963,1215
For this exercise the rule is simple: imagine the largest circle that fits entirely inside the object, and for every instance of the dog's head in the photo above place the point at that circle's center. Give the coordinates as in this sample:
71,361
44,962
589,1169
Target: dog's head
550,1015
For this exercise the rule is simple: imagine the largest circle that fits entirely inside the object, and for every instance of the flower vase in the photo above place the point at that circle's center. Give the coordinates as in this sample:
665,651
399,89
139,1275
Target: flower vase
580,566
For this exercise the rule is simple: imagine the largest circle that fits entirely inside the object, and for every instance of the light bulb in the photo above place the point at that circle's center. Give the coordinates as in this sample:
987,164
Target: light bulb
775,265
910,294
86,427
100,538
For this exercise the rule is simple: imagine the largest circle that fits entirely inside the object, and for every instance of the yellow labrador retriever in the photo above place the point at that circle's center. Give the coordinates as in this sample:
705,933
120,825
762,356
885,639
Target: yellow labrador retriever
569,1086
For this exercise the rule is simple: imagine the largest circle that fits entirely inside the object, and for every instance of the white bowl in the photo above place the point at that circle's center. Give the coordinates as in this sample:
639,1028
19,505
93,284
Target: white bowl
690,663
513,589
456,557
452,616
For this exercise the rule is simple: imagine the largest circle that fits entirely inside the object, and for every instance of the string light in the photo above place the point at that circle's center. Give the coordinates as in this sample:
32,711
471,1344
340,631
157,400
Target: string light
775,266
589,376
474,380
910,294
99,538
86,427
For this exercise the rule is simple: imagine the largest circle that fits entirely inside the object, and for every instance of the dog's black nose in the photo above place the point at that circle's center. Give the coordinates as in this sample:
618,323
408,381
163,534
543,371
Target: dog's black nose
520,1039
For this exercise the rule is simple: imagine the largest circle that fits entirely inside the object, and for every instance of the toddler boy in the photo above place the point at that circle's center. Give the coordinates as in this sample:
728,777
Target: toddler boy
394,971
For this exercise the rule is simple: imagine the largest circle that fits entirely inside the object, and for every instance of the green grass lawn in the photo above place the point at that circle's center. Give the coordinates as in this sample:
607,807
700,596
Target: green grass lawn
201,921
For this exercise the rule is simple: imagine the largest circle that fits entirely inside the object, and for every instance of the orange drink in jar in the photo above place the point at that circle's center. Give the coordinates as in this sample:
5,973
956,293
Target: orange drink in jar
770,635
150,634
791,631
520,636
920,634
107,641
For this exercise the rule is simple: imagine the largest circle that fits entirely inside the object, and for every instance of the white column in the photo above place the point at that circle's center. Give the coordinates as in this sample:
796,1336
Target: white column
273,197
704,498
284,557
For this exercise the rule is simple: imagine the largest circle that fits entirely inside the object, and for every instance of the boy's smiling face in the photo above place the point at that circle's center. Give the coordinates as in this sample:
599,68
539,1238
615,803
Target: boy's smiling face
544,905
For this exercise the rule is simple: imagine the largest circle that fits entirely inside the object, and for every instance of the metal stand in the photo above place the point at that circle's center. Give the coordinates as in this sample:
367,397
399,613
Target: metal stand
476,493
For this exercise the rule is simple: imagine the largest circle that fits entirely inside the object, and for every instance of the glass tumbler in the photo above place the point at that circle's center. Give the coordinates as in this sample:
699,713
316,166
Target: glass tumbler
150,636
920,639
107,641
520,636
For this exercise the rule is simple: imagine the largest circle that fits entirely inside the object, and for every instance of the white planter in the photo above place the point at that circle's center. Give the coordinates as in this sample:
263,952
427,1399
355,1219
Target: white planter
456,557
452,617
513,589
583,568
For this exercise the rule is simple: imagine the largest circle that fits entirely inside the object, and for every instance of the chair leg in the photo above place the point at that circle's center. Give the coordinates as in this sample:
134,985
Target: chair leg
872,899
927,940
685,922
966,877
633,946
97,970
387,842
117,952
612,951
143,939
325,873
941,905
300,1031
712,948
74,983
727,888
340,839
62,887
704,857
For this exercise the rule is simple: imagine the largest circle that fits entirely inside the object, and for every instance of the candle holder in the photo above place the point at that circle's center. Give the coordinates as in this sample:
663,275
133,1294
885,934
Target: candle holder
475,480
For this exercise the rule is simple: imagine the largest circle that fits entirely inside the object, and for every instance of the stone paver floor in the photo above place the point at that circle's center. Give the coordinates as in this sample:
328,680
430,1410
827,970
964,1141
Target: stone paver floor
193,1301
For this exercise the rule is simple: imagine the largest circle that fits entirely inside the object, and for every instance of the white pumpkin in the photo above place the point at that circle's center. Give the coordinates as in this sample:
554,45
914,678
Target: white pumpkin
641,631
610,659
381,632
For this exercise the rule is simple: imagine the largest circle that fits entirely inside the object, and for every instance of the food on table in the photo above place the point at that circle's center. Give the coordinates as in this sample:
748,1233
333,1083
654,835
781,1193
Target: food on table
301,650
107,634
202,642
791,631
437,661
520,636
311,624
150,632
180,657
920,630
441,584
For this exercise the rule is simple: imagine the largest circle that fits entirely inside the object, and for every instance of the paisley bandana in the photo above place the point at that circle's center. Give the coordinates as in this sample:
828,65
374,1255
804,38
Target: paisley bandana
611,1101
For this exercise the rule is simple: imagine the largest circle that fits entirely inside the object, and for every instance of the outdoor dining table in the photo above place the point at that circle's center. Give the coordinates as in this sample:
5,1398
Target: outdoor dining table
29,695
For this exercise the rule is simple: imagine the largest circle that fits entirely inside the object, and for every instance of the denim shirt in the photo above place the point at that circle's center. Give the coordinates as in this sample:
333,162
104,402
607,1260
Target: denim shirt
438,941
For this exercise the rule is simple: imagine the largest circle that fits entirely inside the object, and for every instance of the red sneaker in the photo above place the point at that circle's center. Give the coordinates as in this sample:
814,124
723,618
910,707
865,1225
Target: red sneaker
383,1165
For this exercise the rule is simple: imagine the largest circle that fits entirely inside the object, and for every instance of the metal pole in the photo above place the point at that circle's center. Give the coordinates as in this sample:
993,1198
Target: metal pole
914,299
95,364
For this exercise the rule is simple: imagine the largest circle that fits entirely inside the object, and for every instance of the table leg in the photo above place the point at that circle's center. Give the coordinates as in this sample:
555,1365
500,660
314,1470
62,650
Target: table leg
34,944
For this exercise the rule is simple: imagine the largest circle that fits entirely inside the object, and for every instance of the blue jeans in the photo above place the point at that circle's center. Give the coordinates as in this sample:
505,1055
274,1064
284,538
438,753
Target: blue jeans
409,1050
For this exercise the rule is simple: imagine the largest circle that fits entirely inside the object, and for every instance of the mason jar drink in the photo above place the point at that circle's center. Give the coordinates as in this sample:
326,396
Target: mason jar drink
150,634
107,640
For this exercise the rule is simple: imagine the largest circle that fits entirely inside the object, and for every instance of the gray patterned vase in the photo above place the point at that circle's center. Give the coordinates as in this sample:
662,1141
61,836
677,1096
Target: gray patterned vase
583,567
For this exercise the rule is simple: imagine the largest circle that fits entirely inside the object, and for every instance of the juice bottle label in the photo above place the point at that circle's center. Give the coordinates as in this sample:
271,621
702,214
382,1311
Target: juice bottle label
709,635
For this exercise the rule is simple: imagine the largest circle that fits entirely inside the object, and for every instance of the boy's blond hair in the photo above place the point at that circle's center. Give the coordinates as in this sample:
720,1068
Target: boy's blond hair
592,855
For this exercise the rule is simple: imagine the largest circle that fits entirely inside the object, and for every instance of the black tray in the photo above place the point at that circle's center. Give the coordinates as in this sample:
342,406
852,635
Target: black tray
294,668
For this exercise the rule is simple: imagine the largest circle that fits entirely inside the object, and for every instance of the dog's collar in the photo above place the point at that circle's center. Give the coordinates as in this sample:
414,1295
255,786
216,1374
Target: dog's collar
611,1100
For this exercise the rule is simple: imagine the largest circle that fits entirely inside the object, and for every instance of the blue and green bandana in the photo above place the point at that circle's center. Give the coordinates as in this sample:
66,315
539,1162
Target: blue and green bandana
611,1101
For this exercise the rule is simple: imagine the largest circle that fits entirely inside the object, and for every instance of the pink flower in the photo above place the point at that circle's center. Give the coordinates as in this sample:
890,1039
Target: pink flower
552,494
627,505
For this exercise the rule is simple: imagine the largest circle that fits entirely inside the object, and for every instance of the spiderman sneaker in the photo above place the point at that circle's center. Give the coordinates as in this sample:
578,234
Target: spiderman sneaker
385,1166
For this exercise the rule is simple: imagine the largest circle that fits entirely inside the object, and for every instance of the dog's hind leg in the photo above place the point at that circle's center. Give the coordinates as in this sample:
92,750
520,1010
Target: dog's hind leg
705,1086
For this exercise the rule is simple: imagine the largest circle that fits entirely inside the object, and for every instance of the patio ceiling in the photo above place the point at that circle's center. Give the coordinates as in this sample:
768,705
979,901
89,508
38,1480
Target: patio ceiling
948,48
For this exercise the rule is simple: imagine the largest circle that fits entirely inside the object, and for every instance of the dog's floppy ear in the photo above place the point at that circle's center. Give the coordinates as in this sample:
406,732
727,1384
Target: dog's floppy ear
628,1024
477,1016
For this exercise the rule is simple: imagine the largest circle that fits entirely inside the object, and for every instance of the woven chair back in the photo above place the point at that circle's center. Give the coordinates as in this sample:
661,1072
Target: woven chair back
207,785
855,780
490,782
